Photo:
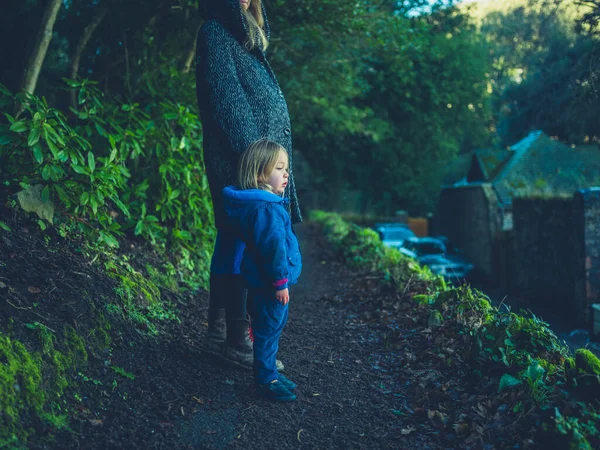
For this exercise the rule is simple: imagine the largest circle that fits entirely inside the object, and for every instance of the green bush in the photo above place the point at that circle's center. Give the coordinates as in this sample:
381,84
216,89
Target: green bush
114,167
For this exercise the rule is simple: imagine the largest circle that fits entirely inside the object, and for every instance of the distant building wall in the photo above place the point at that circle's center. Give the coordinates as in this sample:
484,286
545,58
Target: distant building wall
540,264
551,255
469,217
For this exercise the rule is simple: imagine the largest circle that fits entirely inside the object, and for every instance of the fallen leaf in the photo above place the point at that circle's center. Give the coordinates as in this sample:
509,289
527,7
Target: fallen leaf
34,290
198,400
96,422
438,419
31,201
407,430
299,432
460,428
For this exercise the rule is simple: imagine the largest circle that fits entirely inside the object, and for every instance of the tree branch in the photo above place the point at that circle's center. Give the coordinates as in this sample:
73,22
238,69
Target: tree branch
81,44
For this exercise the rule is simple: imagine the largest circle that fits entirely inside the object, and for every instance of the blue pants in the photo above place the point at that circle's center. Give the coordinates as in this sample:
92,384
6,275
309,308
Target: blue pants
228,253
268,320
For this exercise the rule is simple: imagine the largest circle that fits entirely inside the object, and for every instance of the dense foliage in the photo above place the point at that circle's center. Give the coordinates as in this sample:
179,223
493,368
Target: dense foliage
382,94
376,92
545,67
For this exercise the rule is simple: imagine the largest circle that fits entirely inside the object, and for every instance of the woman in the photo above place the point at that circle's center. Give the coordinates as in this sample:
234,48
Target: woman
240,102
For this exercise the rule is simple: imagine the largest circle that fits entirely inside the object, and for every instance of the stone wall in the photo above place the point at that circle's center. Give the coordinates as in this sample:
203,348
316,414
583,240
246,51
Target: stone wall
469,217
586,218
550,257
540,264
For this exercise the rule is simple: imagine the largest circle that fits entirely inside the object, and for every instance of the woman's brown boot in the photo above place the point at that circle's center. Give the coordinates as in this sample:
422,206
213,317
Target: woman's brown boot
217,332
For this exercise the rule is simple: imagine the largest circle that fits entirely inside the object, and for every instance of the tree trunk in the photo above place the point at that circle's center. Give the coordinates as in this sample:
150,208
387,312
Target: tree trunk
81,44
36,60
187,66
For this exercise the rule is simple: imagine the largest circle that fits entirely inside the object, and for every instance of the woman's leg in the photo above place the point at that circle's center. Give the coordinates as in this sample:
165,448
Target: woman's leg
227,294
217,331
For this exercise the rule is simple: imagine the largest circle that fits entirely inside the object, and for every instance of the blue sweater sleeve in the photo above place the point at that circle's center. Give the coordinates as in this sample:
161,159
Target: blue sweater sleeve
227,101
267,235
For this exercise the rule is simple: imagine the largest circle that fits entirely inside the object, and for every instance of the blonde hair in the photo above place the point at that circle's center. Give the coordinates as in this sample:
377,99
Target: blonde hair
256,163
256,22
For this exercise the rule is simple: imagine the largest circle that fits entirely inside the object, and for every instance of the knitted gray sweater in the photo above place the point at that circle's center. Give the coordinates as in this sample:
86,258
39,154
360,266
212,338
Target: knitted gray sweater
239,98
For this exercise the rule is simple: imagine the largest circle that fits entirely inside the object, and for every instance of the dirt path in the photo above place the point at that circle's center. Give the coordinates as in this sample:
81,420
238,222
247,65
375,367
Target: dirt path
349,396
374,369
353,384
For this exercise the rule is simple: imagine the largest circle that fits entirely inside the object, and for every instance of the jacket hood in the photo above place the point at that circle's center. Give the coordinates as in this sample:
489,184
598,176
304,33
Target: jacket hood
239,203
229,14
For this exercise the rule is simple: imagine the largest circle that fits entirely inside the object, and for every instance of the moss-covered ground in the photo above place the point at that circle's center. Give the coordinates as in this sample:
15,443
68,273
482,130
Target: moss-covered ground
75,321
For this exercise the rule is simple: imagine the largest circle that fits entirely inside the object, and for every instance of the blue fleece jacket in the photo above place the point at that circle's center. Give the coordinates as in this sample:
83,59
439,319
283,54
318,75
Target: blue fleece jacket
272,256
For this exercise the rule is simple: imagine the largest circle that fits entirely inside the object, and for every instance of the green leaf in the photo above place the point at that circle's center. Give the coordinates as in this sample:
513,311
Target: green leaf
37,153
535,371
45,194
62,195
19,126
52,148
4,226
84,198
121,206
52,134
91,161
46,173
100,129
183,235
139,228
41,224
79,169
109,239
507,381
81,96
94,204
34,137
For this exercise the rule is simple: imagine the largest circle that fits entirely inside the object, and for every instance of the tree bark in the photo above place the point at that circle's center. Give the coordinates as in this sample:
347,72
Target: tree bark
187,66
81,44
36,60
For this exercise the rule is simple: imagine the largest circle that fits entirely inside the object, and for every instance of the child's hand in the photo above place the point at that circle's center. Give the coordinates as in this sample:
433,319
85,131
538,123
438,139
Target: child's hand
283,296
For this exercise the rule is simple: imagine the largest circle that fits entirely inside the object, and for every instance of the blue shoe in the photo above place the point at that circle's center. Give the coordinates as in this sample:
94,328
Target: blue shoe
276,391
287,382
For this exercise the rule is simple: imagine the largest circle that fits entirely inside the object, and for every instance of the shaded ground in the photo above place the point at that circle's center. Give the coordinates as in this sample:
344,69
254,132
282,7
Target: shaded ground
371,371
347,396
181,398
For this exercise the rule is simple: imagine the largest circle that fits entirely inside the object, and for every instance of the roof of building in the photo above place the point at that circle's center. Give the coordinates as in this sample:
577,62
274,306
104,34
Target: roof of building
536,165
